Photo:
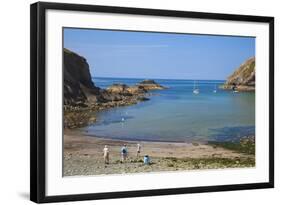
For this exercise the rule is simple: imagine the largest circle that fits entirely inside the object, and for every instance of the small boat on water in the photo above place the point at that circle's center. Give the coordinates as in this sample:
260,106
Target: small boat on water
195,90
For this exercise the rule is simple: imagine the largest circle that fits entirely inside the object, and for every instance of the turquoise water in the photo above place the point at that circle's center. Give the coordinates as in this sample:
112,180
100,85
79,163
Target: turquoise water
176,114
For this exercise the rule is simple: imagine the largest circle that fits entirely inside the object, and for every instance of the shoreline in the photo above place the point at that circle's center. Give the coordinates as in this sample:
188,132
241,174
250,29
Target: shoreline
114,96
136,140
83,156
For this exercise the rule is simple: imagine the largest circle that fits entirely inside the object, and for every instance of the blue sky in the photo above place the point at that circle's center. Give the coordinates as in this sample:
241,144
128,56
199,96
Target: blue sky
159,55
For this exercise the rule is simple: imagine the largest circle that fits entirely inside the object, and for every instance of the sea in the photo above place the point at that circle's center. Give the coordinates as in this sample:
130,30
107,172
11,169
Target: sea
177,114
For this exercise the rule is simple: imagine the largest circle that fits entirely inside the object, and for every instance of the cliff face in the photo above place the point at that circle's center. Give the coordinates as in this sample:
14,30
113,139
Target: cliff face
243,78
78,86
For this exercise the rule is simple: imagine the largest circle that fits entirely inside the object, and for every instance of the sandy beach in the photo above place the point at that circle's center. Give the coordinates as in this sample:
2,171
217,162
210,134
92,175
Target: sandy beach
83,156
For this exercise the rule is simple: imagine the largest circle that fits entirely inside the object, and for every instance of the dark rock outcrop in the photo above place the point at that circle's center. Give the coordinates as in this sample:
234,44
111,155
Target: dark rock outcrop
243,78
151,85
78,86
124,89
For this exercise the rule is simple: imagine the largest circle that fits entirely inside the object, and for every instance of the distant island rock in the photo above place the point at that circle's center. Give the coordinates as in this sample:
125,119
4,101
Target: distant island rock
82,97
243,78
151,85
125,89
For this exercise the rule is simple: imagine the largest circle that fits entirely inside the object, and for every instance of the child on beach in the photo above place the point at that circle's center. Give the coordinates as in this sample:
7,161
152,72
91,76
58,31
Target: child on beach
146,160
138,150
124,153
106,154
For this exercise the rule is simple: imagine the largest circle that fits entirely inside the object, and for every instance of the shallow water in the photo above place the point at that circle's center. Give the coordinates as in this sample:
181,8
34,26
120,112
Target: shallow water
176,114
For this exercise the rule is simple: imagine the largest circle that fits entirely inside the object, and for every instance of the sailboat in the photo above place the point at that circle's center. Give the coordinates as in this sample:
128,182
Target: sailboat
215,90
195,90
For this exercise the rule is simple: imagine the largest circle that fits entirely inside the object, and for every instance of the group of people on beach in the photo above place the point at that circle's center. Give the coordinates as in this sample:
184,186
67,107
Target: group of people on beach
123,153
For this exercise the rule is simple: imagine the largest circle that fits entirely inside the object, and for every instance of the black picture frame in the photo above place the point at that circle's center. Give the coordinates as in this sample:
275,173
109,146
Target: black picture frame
38,101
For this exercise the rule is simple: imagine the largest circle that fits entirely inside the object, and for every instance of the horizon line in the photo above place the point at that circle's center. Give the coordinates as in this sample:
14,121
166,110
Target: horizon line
158,78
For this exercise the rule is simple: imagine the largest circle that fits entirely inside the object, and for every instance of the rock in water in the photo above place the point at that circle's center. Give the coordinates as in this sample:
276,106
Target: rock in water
151,85
124,89
134,90
118,88
243,77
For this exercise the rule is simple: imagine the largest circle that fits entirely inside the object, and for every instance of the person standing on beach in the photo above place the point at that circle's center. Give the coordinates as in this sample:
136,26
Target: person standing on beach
138,150
106,154
124,153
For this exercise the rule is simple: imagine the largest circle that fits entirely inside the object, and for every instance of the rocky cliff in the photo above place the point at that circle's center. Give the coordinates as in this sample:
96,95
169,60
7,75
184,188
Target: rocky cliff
78,86
243,78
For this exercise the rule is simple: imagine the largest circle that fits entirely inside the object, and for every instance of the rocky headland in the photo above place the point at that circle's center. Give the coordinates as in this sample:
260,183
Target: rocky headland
82,98
243,78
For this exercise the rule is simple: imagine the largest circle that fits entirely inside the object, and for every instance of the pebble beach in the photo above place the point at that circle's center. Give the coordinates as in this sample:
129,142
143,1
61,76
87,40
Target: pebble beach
83,155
